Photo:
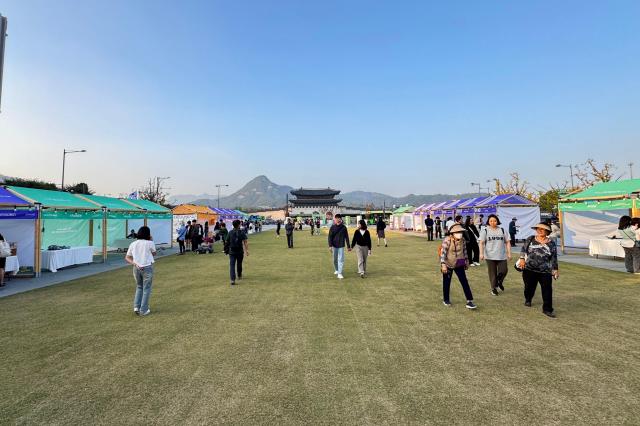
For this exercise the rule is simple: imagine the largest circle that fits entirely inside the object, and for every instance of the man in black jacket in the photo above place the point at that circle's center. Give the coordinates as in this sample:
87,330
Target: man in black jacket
380,227
288,228
429,222
338,237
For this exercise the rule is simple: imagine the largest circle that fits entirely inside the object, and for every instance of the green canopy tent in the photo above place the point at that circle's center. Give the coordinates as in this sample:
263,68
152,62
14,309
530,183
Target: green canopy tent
111,232
63,219
158,218
594,212
402,217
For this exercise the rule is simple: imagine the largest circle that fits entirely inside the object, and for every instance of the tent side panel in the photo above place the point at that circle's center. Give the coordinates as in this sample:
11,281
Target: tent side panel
65,232
527,217
21,232
580,227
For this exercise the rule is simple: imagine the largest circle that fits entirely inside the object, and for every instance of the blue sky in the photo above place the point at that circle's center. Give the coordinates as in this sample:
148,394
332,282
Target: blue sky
395,97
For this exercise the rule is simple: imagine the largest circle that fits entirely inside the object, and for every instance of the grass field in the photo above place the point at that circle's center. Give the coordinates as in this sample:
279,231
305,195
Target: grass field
293,345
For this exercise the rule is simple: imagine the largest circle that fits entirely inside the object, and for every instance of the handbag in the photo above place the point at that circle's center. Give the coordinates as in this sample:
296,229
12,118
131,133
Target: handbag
5,249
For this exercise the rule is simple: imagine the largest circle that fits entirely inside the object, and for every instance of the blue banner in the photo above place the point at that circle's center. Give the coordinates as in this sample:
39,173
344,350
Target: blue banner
18,214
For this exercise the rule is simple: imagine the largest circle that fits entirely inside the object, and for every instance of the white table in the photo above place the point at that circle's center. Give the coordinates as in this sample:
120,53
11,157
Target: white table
606,247
12,265
56,259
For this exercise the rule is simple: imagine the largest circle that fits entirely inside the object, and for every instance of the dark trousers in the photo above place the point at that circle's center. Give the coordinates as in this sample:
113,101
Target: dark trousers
290,240
181,245
513,240
497,272
531,280
473,251
235,261
195,242
429,233
438,232
446,283
312,229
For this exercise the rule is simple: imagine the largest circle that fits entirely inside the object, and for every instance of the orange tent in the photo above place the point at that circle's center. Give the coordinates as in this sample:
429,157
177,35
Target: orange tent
203,213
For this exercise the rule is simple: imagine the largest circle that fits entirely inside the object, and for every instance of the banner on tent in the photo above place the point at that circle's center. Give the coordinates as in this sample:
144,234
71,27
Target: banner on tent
73,215
18,214
124,216
597,205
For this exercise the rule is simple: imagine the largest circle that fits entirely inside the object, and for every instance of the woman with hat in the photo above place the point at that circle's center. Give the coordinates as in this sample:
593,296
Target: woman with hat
539,264
453,258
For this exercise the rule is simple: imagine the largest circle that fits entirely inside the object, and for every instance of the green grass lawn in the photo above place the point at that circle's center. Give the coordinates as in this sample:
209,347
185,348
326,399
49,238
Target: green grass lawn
293,345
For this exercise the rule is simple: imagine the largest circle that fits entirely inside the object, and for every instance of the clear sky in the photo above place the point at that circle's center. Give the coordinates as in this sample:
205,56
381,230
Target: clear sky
395,97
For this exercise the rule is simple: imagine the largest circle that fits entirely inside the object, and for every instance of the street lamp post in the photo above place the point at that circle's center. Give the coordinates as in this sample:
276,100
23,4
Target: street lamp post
478,185
64,157
219,186
570,166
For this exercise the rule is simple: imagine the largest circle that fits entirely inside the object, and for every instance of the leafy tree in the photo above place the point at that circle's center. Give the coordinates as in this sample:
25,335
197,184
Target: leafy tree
548,200
31,183
79,188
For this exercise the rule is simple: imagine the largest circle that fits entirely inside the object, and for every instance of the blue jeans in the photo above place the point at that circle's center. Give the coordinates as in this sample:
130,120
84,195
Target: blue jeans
338,259
235,260
144,280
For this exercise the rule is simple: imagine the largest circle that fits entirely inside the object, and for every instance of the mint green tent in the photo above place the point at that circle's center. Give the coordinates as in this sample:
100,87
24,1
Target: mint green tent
158,218
594,213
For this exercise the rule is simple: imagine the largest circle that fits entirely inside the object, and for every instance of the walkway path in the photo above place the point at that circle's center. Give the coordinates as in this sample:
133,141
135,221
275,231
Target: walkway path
114,261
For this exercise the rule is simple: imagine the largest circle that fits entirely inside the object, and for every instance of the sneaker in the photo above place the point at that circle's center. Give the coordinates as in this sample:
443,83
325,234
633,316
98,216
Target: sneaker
335,273
501,287
386,245
362,275
146,313
549,314
136,311
476,263
494,292
446,303
470,305
233,283
472,264
340,276
527,304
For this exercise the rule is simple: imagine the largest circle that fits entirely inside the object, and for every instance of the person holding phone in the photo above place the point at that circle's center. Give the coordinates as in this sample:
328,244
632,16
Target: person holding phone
140,254
539,264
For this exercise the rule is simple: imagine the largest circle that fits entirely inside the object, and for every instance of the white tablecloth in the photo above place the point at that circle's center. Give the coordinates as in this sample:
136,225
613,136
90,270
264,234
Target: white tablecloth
55,259
606,247
12,265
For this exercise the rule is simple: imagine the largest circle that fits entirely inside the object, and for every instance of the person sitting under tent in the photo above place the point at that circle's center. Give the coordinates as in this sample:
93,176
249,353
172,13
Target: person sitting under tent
132,235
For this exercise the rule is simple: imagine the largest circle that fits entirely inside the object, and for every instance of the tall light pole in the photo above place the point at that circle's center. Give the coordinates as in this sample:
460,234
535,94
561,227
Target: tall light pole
478,185
220,186
64,158
3,36
630,170
570,166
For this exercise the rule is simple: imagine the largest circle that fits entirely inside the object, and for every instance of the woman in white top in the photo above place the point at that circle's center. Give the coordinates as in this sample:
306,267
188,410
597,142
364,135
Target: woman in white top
140,255
495,248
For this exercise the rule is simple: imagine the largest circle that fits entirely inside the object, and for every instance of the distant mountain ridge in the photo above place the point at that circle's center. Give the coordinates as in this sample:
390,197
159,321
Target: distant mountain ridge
261,193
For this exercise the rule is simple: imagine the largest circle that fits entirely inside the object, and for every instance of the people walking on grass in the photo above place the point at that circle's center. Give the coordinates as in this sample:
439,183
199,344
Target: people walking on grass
237,247
429,223
472,242
140,254
318,226
453,259
539,265
380,227
361,243
223,232
513,231
312,224
635,224
627,232
278,226
438,227
338,238
187,238
448,224
288,229
182,234
495,249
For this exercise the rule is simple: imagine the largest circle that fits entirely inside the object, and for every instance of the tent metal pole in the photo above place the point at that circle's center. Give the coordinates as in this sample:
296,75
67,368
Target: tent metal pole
38,241
561,223
104,235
